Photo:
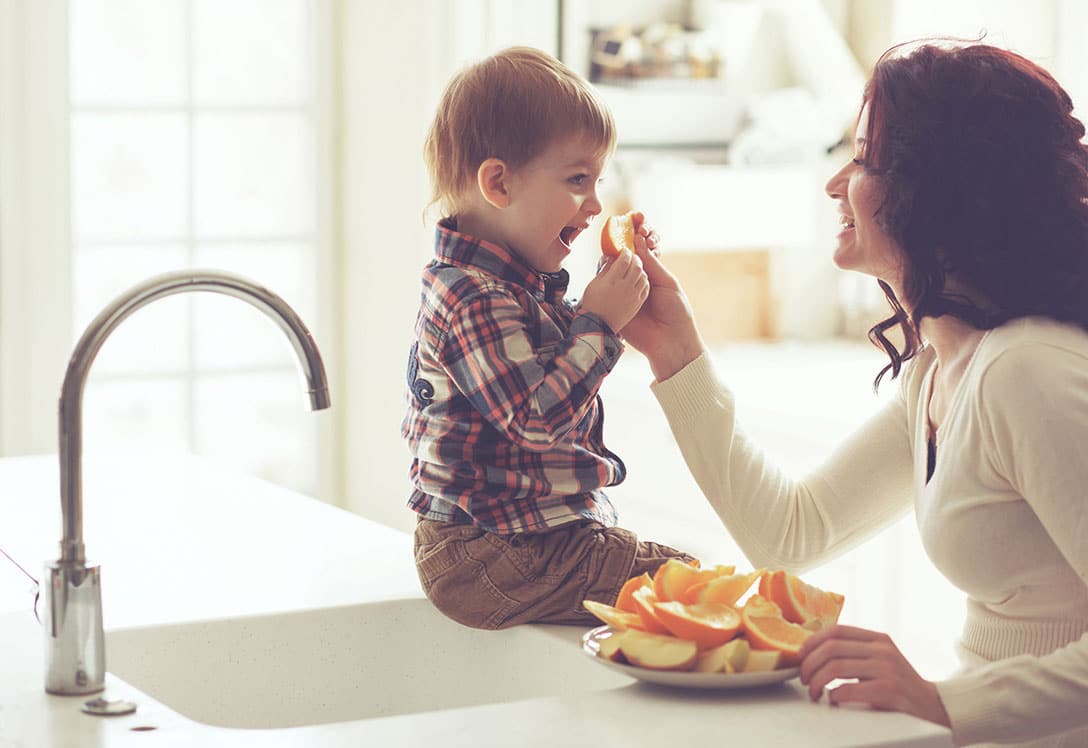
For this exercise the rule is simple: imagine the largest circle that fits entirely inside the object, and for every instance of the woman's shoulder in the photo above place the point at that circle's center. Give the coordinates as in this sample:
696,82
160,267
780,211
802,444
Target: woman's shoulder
1028,339
1032,353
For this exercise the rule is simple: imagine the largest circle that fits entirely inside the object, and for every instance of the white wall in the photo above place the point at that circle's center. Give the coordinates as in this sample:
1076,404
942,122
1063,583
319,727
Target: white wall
35,312
385,108
397,58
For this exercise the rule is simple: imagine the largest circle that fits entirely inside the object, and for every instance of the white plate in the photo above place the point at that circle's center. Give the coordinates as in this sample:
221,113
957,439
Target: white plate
591,644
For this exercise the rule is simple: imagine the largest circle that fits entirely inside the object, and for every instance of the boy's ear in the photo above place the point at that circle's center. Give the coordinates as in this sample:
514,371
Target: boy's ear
493,181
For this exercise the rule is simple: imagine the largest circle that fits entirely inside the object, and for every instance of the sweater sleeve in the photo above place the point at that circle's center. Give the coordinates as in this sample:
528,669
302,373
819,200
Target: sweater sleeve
778,521
1035,415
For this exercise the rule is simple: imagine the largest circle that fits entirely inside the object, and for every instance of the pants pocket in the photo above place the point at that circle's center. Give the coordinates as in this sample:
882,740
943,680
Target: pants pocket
460,586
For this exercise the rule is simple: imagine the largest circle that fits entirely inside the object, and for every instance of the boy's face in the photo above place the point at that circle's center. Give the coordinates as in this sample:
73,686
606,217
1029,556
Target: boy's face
553,199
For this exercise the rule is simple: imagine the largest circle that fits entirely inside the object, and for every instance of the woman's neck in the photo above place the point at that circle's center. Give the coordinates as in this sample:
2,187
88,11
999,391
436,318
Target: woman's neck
952,339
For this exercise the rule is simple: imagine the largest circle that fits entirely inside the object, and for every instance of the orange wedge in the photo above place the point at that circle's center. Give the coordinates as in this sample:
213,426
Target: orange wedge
675,579
614,617
691,595
801,602
709,625
728,589
624,601
765,628
644,600
672,578
618,235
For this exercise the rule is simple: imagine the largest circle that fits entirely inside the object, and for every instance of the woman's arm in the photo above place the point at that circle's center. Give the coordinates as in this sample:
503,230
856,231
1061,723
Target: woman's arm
777,520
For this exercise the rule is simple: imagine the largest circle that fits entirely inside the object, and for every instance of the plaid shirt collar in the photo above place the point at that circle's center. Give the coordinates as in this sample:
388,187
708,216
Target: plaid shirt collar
464,251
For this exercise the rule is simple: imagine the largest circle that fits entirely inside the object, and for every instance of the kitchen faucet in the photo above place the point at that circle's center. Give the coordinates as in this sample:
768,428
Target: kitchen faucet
74,644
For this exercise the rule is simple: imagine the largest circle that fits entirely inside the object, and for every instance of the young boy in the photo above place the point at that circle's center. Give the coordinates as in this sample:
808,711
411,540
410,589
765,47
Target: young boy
504,421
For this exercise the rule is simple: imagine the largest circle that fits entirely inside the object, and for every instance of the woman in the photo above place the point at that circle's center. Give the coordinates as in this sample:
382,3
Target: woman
966,200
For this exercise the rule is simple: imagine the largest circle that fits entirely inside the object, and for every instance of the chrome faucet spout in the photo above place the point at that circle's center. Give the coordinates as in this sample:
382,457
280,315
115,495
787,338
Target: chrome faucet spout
75,660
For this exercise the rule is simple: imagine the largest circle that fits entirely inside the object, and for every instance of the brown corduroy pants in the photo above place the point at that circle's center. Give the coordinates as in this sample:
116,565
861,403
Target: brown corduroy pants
490,581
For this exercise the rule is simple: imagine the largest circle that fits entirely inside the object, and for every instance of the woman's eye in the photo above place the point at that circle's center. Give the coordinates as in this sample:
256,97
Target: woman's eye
858,161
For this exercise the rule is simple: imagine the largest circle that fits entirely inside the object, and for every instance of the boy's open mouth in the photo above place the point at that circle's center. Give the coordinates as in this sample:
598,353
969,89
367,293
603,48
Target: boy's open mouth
568,234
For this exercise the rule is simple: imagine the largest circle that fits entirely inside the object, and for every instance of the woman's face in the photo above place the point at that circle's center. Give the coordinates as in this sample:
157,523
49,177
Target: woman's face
862,244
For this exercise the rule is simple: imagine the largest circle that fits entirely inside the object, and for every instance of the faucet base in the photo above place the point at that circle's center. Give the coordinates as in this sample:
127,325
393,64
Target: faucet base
75,653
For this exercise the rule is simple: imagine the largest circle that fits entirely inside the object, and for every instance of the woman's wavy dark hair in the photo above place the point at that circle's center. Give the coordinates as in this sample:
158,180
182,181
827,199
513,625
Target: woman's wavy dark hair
986,183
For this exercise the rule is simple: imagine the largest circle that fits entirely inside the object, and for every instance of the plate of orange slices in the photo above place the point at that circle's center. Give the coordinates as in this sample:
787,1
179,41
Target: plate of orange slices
686,626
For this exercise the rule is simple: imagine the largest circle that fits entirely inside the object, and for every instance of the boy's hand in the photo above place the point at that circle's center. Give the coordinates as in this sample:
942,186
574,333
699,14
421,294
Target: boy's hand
618,290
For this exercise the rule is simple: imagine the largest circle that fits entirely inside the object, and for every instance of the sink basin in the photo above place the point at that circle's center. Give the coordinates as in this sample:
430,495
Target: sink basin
344,664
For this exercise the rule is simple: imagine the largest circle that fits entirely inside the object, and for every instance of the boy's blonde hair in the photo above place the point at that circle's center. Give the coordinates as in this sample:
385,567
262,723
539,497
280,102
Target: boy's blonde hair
510,106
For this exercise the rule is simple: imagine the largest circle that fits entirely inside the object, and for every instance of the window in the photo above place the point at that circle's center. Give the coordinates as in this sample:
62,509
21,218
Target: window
195,143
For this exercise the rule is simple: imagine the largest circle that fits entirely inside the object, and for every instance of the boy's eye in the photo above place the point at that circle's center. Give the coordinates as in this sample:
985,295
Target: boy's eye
578,179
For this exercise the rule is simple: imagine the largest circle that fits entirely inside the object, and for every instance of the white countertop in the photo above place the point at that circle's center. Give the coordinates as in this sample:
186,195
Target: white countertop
180,539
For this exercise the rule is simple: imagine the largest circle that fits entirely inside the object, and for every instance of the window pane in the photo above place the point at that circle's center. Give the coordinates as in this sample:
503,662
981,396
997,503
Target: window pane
135,411
253,175
250,52
155,338
129,177
261,423
231,334
128,52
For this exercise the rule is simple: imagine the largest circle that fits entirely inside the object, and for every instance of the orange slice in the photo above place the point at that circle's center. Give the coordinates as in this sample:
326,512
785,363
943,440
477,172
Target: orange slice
765,628
801,602
728,589
691,595
618,235
672,578
675,579
617,619
624,601
709,625
644,600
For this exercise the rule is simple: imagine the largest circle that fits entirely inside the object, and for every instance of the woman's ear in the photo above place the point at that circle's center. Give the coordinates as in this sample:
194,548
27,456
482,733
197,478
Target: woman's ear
492,179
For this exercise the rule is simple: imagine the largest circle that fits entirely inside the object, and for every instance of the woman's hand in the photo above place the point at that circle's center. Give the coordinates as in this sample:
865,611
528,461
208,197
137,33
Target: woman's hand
664,328
885,680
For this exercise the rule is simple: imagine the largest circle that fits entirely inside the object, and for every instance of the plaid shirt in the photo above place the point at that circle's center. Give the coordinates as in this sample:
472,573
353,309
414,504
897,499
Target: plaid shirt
504,421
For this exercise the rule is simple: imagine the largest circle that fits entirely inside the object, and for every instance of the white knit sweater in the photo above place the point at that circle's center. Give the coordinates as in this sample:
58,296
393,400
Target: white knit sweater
1004,517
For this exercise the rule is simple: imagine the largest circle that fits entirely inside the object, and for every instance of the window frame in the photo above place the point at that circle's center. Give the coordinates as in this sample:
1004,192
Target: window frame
36,242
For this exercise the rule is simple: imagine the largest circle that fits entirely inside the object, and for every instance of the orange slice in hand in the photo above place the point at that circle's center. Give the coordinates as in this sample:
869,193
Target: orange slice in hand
624,601
709,625
618,234
614,617
765,628
801,602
